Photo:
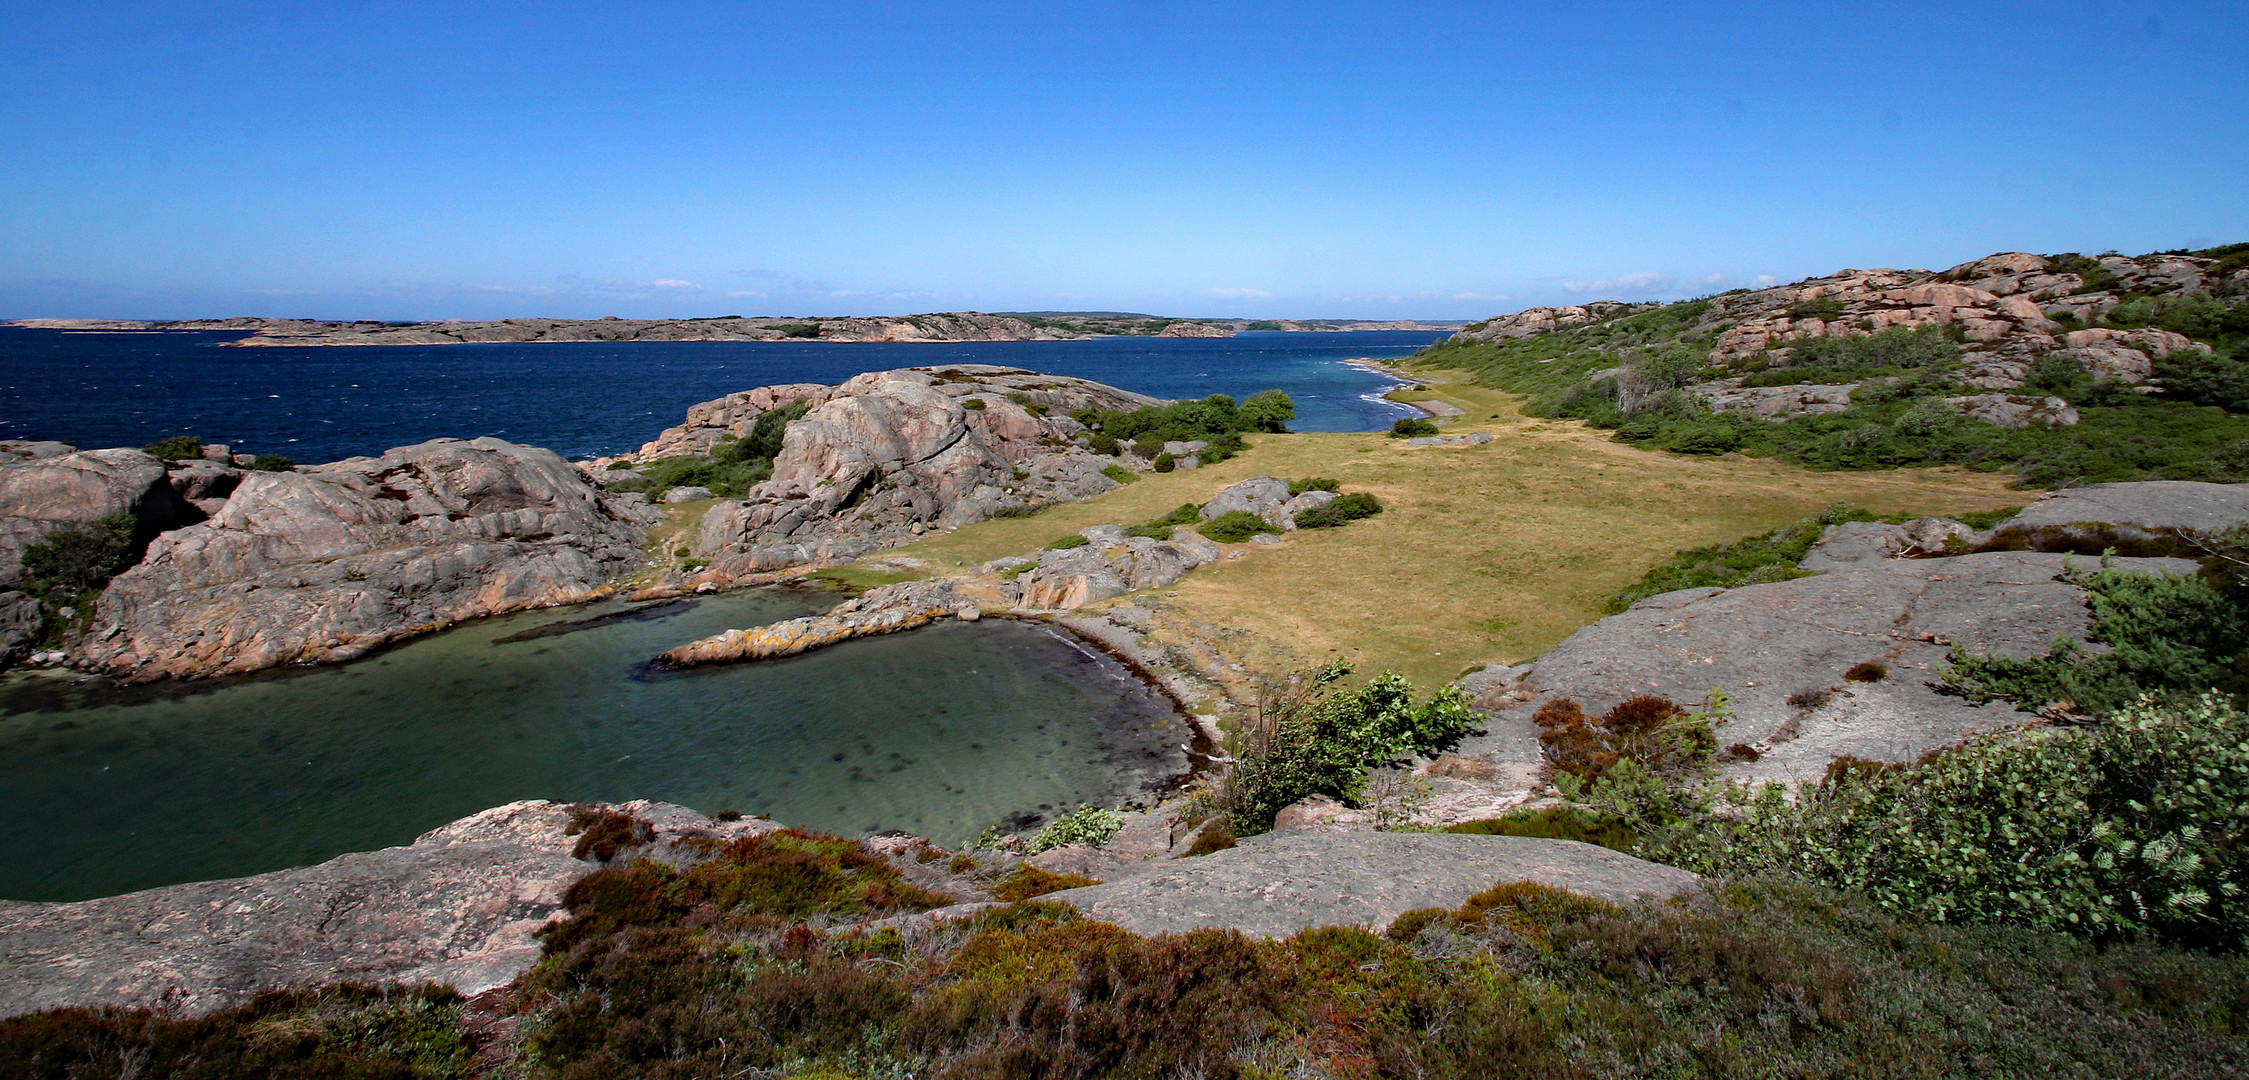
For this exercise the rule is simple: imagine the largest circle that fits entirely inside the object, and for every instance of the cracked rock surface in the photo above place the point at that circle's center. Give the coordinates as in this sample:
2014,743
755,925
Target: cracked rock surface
459,906
1279,883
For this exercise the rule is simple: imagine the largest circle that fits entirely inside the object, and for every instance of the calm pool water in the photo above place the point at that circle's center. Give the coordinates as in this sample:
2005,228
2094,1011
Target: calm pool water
941,732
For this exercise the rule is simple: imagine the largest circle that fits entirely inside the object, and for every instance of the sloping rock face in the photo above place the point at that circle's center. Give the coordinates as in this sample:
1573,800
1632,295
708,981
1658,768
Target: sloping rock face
1195,330
45,486
459,907
1900,596
729,417
1280,883
323,563
2005,305
892,454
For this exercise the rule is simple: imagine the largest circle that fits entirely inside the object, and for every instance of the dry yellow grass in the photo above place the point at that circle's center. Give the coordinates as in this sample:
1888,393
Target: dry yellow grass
1490,553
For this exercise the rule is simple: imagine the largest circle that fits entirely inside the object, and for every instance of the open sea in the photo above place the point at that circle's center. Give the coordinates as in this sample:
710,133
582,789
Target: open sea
942,732
323,403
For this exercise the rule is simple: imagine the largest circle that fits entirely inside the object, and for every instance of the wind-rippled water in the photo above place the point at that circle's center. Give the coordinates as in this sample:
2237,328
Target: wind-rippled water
940,732
316,404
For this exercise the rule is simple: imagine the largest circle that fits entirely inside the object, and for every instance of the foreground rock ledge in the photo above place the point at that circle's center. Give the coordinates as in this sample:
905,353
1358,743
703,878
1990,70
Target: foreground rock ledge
1283,882
460,906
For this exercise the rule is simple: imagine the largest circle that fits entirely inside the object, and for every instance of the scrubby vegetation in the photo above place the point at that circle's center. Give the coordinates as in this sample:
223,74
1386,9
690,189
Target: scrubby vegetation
1411,427
271,463
176,448
1626,374
79,558
1311,736
1216,420
1749,561
731,468
1092,826
1235,526
1343,510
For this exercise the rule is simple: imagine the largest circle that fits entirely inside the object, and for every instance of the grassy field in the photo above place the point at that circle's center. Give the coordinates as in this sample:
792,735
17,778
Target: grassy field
1486,554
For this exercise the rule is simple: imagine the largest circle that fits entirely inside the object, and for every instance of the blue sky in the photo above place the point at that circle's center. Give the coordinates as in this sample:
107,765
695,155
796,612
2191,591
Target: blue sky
1397,160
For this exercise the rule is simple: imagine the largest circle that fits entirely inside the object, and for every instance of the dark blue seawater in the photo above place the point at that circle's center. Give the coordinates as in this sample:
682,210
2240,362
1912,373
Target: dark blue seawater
583,399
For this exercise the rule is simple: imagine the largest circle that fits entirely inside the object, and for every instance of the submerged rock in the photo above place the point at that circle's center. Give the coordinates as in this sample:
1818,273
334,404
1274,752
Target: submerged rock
460,906
326,562
886,610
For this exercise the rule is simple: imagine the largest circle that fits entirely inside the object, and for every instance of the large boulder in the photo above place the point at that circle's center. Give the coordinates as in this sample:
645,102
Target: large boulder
1280,883
461,906
1079,576
46,493
1258,495
889,455
323,563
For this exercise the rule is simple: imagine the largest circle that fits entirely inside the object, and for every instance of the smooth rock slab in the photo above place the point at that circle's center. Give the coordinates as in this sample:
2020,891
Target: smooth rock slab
1278,884
457,907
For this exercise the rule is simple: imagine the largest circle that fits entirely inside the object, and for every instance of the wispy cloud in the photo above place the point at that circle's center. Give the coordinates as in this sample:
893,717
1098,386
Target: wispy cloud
1238,294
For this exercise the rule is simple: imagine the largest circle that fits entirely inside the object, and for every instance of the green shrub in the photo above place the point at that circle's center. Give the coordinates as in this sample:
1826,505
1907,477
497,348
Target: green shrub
1166,463
1341,510
1029,881
2163,633
1211,418
1029,404
973,404
1314,483
1267,410
1065,543
1315,738
1120,474
1235,526
731,467
277,463
1411,427
798,330
2132,827
176,448
351,1030
1091,826
79,557
1018,510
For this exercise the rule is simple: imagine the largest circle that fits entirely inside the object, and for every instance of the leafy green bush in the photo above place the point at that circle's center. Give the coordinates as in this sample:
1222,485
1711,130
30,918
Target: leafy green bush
1411,427
176,448
1066,543
1339,511
1315,738
1314,483
1893,351
1120,474
1267,410
79,557
2163,633
1555,823
1166,463
1088,825
731,467
271,463
1029,404
1235,526
974,404
1211,418
2132,827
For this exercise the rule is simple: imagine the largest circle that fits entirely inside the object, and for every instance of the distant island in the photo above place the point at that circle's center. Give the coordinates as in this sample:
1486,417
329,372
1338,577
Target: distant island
941,326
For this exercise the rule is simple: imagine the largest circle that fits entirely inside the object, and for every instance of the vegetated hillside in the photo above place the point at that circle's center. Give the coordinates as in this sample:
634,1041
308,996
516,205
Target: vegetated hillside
2062,368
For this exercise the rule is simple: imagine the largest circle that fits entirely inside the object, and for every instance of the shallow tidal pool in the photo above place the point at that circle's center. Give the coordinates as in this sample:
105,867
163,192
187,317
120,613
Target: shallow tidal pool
940,732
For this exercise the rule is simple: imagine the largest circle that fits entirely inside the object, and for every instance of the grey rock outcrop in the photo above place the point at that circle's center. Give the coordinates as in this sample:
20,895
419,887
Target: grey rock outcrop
1185,329
1079,576
2148,517
885,610
323,563
2017,410
892,454
457,907
943,326
1258,495
1280,883
729,417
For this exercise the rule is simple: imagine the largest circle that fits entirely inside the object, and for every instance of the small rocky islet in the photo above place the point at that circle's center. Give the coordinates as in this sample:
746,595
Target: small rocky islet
241,569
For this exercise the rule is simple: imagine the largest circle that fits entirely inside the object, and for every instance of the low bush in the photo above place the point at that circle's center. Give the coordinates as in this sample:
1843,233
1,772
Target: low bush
1342,510
1027,881
1066,543
2163,633
1314,483
1120,474
2130,828
1235,526
79,557
973,404
731,467
1868,671
1411,427
1310,736
346,1031
271,463
1555,823
1091,826
1216,419
1165,463
176,448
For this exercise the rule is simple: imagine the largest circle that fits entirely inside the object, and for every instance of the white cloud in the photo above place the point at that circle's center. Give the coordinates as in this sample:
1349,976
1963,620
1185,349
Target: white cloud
672,283
1238,294
1639,281
1765,281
